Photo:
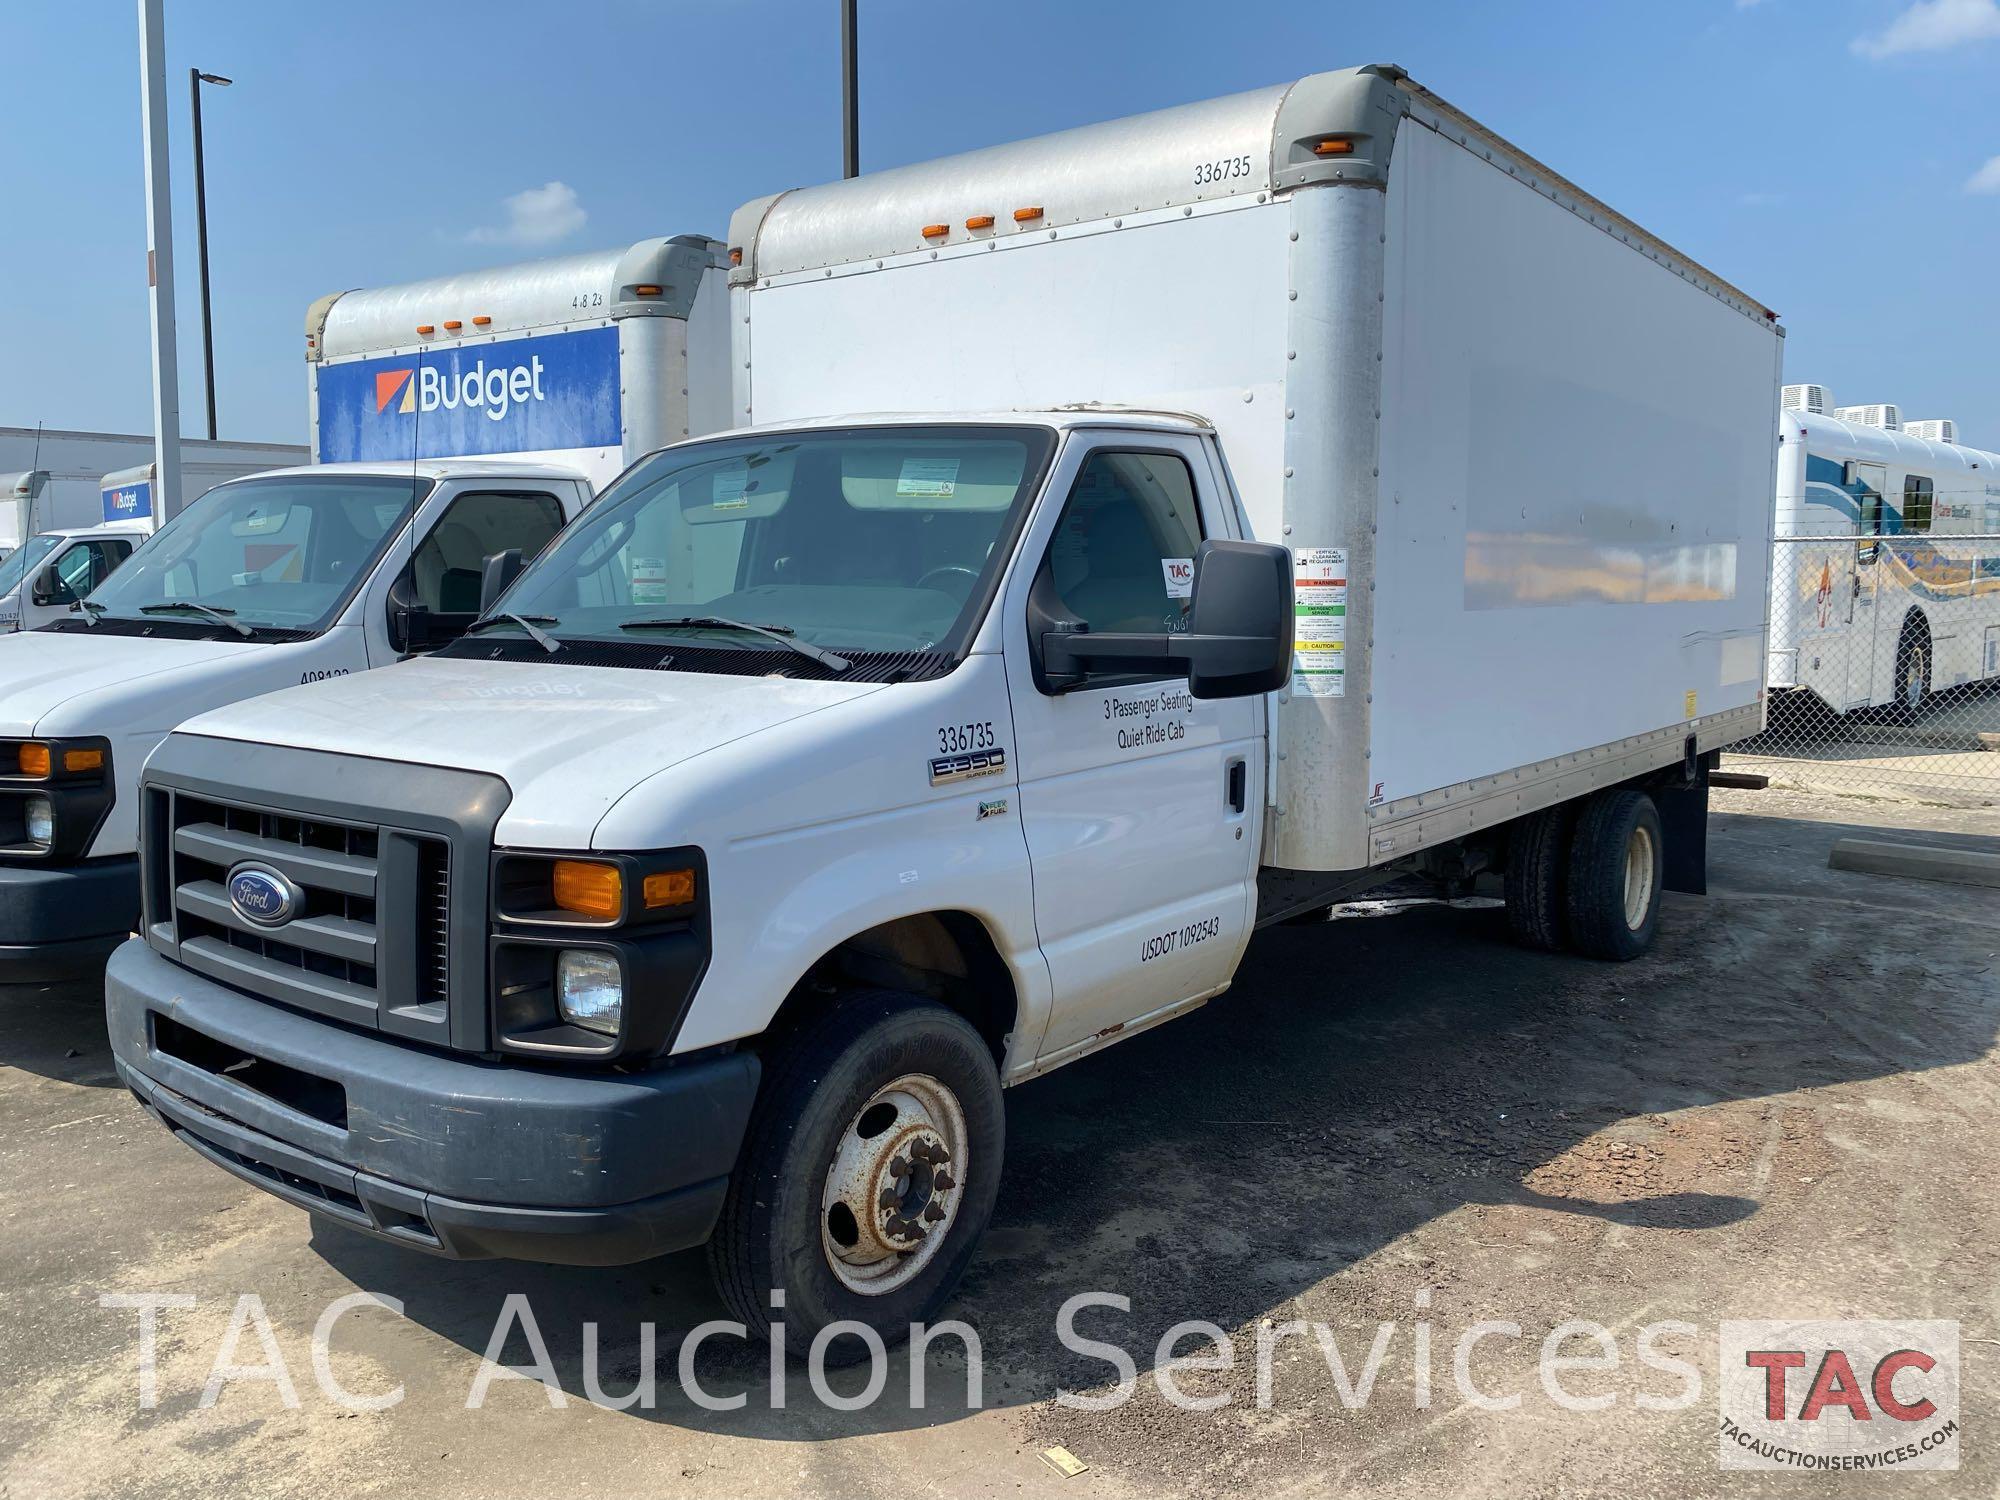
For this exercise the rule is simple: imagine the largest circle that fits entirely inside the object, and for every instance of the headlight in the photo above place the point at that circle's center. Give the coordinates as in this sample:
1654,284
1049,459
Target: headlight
41,821
590,991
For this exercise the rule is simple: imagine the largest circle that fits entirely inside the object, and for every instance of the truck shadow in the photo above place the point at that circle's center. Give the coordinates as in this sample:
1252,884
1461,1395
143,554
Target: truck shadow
57,1032
1363,1080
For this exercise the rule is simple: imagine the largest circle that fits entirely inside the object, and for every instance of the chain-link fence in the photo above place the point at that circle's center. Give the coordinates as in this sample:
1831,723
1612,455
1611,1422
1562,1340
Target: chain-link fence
1884,669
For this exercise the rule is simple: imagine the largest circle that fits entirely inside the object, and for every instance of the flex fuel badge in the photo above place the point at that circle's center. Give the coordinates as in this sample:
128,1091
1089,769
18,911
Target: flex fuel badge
1319,602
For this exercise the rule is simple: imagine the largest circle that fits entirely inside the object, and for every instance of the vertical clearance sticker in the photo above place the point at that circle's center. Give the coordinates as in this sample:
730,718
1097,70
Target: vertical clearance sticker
1319,600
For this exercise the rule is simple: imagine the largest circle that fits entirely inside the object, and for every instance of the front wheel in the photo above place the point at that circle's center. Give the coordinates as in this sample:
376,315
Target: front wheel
1616,867
868,1173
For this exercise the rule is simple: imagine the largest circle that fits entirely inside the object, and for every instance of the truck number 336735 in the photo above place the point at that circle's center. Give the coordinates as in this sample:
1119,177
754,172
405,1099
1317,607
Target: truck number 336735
1220,170
958,739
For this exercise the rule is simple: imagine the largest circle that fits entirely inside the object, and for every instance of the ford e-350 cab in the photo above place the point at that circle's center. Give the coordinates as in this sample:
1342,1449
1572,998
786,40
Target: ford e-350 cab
291,576
465,952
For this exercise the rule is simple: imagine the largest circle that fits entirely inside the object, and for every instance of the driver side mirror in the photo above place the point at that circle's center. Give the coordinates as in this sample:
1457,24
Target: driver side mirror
50,588
500,571
1238,644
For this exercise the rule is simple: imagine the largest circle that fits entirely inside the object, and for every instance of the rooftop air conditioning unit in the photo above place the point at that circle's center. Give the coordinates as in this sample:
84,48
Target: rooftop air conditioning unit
1813,398
1937,430
1888,418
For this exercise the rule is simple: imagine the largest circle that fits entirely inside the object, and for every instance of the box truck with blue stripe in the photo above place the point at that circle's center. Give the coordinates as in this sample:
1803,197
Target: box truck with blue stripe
1887,557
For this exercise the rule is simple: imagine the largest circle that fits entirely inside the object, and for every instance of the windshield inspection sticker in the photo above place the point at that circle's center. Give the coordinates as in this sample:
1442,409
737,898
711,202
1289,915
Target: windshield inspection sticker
934,477
1319,602
1179,574
649,580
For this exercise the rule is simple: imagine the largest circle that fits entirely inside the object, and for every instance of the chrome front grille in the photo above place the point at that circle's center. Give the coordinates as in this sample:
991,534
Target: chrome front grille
370,937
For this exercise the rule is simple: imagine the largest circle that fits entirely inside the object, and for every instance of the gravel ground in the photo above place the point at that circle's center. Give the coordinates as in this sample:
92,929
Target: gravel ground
1402,1121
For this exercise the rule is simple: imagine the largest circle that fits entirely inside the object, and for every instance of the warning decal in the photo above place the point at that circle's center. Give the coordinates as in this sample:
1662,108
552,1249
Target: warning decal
1319,601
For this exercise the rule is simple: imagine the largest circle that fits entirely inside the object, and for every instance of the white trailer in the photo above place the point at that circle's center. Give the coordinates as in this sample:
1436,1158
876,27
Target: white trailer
584,360
1281,494
1886,562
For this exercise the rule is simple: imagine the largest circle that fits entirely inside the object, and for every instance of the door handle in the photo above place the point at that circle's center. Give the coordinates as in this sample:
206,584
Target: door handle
1236,784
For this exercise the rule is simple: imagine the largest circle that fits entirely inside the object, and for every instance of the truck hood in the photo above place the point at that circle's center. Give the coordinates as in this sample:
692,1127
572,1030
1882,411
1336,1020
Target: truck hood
40,670
569,741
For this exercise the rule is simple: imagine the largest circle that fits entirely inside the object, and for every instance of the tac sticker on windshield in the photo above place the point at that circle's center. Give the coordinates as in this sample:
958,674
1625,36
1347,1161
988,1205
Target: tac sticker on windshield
731,491
934,478
1179,573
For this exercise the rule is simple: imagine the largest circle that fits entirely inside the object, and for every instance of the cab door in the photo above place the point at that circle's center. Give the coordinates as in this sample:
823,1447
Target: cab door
1136,799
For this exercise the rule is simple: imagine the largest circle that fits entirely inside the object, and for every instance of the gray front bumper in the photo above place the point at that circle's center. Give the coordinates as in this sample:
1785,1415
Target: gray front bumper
60,922
442,1152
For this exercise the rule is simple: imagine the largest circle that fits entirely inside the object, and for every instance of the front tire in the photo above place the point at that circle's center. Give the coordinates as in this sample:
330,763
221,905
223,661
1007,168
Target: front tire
867,1176
1616,867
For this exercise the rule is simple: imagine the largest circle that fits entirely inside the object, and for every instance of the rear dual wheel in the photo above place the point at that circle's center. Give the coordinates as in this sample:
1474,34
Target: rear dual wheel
1587,875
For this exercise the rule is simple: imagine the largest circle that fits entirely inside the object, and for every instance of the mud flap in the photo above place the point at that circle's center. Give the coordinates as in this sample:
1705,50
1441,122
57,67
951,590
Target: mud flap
1684,823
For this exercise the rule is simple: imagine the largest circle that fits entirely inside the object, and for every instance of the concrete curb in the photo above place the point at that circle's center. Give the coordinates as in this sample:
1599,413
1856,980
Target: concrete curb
1916,861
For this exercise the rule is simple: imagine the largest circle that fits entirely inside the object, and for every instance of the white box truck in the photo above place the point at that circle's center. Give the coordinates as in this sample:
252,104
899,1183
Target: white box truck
583,360
1287,493
475,442
66,524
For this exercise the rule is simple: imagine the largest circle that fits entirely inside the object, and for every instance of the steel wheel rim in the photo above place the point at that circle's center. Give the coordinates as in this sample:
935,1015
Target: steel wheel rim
1638,877
894,1186
1913,679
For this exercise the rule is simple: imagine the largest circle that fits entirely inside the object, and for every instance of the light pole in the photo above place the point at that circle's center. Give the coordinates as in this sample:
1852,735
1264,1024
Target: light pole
850,89
196,78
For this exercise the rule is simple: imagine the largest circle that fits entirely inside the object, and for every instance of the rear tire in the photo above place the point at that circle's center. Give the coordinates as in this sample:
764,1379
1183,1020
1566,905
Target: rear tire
878,1080
1616,866
1537,887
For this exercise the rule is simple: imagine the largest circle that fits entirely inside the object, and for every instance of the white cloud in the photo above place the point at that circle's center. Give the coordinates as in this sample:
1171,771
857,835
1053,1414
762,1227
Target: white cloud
1934,26
539,216
1986,179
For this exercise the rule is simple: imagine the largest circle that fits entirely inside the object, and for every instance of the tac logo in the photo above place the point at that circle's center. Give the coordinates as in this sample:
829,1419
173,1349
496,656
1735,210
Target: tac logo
1838,1395
492,391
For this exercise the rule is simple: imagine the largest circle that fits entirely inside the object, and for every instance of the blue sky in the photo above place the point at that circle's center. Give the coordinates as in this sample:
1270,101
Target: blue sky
1838,159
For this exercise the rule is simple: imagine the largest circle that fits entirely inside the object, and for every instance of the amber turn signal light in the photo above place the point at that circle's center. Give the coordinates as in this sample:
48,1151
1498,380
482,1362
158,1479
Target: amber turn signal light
83,760
36,760
589,889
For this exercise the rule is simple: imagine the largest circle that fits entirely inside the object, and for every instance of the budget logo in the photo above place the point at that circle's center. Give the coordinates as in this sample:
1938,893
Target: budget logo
491,390
391,384
1832,1396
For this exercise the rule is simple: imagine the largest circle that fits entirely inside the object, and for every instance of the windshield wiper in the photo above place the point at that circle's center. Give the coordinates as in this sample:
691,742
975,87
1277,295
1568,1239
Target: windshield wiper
219,615
89,611
528,623
782,634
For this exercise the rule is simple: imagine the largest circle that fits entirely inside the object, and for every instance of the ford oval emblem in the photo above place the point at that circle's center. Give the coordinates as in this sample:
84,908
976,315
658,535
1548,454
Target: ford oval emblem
261,895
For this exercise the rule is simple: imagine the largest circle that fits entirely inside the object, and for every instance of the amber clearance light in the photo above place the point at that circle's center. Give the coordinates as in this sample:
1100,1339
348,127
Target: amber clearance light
668,888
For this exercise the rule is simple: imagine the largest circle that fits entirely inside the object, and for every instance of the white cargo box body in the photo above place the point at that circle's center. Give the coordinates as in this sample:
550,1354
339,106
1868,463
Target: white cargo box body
1521,449
587,361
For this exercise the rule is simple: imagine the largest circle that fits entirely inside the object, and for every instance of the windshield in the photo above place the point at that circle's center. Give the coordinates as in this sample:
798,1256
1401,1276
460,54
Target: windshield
850,539
280,553
21,563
